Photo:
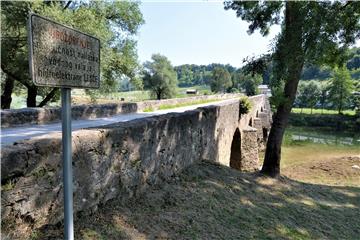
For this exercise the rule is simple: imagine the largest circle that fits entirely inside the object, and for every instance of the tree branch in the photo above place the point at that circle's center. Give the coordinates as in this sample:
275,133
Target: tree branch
48,97
67,5
3,68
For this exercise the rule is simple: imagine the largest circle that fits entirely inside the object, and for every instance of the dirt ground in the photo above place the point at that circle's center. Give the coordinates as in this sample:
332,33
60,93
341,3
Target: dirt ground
339,171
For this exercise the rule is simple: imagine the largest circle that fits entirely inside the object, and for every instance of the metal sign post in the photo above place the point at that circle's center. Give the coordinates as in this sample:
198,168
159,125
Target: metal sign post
67,162
63,57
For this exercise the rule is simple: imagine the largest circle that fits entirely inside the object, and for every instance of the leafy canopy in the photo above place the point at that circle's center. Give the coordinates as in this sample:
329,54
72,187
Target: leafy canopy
341,88
220,80
160,77
113,22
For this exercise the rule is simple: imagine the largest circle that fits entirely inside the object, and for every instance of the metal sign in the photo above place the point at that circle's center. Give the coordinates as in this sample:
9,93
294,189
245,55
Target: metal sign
61,56
66,58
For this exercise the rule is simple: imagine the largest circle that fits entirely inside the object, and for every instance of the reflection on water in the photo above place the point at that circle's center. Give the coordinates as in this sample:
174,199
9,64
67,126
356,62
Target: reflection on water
317,135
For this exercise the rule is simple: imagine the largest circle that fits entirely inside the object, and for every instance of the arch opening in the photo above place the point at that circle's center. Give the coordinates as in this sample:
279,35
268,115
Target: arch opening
261,110
250,122
257,114
265,134
235,154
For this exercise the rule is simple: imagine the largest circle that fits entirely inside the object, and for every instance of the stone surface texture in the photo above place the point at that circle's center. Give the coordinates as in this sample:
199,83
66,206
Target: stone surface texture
27,116
122,160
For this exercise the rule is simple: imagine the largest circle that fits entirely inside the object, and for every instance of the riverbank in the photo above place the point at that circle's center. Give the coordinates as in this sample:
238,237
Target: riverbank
333,122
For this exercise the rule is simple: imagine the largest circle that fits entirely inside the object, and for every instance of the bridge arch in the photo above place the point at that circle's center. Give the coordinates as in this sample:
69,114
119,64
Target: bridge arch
251,122
235,151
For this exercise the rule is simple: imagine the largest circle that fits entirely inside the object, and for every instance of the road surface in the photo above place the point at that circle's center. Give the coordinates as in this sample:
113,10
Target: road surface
10,135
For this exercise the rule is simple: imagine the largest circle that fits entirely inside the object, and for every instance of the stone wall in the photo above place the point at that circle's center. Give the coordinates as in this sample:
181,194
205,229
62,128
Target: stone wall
122,160
26,116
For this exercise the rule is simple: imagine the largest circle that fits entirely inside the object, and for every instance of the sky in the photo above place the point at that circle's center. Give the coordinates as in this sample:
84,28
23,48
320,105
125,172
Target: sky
202,32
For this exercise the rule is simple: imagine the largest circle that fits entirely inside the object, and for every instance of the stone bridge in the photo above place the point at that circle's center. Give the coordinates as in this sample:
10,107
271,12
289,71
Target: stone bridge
123,159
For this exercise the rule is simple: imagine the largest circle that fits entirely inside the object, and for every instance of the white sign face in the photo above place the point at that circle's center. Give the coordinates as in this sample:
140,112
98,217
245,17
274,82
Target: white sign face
61,56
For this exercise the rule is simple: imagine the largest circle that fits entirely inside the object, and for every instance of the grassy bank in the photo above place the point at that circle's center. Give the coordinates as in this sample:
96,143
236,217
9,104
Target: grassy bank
214,202
321,111
170,106
334,122
321,163
79,96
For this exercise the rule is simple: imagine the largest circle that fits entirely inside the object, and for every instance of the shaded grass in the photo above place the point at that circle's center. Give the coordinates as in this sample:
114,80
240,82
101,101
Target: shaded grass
210,201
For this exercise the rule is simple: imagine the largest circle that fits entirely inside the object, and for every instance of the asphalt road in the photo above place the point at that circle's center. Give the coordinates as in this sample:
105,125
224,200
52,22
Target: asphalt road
10,135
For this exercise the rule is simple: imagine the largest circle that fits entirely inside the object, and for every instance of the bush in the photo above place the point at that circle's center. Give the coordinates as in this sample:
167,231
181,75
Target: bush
234,90
245,105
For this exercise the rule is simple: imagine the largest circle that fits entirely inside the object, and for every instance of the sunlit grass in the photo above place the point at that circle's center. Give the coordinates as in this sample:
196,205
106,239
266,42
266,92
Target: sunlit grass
309,152
170,106
321,111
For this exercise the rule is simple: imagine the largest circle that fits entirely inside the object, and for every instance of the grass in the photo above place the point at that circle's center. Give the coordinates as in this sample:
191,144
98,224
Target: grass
8,185
170,106
317,197
148,109
209,201
322,164
320,111
311,162
79,96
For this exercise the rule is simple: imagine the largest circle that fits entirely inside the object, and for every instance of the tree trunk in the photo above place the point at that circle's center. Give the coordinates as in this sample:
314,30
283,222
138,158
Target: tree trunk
8,89
48,97
31,96
292,54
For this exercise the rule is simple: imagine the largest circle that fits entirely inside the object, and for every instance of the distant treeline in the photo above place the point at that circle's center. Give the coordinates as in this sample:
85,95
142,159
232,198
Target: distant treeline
192,74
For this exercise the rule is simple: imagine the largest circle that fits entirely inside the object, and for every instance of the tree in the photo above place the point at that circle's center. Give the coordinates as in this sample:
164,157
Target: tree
355,98
308,94
186,76
113,22
314,33
160,77
250,84
221,80
301,98
324,89
340,90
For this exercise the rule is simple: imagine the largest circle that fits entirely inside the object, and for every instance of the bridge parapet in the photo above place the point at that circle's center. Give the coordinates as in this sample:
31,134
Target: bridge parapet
29,116
122,160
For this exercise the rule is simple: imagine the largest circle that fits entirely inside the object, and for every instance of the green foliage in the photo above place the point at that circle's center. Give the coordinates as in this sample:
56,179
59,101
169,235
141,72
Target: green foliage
9,185
341,87
327,30
160,77
192,74
308,94
221,80
315,72
148,109
355,98
334,122
245,105
250,84
321,111
113,22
